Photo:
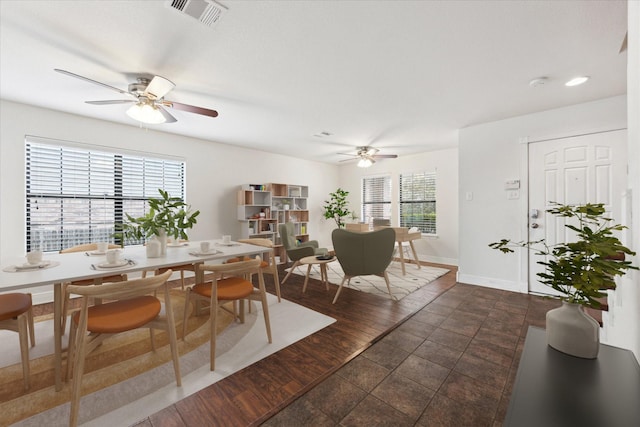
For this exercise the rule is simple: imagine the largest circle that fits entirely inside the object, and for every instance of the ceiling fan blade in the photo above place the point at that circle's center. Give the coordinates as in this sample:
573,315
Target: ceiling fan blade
158,88
167,116
349,160
91,81
190,108
384,156
109,102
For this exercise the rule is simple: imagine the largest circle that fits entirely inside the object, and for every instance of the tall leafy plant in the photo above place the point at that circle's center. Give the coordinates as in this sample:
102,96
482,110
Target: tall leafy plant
166,213
583,269
336,207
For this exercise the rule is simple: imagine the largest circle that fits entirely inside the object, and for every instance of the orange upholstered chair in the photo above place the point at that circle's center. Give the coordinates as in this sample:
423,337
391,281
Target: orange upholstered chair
270,266
132,305
230,283
16,315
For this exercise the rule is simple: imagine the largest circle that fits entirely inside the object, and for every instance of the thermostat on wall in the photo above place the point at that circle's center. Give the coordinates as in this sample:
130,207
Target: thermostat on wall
513,184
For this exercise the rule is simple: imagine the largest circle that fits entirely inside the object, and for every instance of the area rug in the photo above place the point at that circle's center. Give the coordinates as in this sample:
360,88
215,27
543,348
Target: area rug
401,285
142,394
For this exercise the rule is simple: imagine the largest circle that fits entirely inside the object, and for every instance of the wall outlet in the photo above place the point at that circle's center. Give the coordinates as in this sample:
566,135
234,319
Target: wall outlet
513,194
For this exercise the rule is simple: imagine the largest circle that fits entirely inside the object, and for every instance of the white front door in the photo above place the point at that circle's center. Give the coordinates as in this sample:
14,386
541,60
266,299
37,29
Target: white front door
574,170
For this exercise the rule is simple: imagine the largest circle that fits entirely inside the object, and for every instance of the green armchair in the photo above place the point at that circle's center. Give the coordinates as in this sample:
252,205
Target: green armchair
361,254
296,251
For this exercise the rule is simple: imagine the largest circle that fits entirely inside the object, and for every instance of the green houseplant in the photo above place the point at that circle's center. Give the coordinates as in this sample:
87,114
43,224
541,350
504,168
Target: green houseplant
580,271
167,217
336,207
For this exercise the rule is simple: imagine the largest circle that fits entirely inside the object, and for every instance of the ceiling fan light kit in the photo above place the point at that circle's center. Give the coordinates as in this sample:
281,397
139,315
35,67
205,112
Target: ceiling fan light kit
365,162
146,113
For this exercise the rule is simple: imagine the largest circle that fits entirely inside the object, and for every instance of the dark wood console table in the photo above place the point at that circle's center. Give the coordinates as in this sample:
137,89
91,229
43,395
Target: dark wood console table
553,389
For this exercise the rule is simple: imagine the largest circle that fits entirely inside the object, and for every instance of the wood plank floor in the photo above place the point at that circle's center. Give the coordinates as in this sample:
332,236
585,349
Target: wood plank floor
254,394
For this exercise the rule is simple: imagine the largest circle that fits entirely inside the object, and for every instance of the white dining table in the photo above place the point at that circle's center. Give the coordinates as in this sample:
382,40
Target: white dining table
80,266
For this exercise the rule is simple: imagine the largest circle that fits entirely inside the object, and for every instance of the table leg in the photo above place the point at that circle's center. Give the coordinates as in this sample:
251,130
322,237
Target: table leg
415,254
306,279
323,275
57,334
401,257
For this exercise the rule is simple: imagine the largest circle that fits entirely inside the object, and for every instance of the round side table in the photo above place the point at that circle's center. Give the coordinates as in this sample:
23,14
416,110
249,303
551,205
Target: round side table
310,261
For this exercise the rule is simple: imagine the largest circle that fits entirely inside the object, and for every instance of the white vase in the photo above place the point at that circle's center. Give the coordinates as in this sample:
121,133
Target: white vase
162,238
153,247
572,331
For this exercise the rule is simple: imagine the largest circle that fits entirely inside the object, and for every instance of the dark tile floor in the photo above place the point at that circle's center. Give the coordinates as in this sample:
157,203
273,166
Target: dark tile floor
451,364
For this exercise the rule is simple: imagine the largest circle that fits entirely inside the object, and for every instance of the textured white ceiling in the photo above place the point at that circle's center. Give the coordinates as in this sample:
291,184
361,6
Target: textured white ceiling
403,76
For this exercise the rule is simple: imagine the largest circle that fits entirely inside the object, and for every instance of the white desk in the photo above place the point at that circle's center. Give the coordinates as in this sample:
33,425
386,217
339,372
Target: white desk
77,266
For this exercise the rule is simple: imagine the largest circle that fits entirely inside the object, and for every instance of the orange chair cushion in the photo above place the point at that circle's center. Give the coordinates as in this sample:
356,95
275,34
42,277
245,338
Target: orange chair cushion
120,316
231,288
13,305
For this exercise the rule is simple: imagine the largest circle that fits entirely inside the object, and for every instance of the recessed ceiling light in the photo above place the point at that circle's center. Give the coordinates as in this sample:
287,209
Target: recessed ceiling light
577,81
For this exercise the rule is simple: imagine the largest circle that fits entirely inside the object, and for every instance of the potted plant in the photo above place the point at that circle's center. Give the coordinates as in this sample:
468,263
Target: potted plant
580,272
167,217
336,207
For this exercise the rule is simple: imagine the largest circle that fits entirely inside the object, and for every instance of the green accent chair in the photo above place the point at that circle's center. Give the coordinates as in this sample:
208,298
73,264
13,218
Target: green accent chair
296,251
362,254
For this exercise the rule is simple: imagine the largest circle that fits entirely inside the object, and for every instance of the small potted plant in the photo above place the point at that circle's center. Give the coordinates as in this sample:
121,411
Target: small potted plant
580,272
336,207
167,217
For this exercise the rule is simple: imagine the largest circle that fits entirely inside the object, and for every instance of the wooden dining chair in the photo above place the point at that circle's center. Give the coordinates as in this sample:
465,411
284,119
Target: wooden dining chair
270,266
229,284
88,247
16,314
131,305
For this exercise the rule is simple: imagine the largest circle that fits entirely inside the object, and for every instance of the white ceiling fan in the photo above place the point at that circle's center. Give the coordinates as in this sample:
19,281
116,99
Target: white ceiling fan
147,97
367,156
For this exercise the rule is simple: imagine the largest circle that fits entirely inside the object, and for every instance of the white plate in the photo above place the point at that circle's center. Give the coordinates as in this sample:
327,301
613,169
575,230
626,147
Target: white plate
177,245
27,266
228,244
200,253
120,263
96,253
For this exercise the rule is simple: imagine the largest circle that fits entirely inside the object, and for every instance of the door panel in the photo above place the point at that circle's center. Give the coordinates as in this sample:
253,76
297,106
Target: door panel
575,170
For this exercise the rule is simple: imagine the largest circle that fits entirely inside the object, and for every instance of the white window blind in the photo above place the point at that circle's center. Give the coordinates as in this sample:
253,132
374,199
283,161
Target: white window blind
376,197
418,201
76,195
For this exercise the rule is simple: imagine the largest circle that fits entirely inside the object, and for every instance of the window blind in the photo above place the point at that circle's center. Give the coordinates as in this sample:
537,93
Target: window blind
418,201
376,197
76,195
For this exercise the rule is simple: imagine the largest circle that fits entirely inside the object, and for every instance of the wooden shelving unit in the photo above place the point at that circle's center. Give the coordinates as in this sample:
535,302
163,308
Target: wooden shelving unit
262,207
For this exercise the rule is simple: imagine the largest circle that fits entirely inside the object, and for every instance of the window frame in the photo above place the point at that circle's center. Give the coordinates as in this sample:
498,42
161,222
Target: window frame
426,226
56,174
386,203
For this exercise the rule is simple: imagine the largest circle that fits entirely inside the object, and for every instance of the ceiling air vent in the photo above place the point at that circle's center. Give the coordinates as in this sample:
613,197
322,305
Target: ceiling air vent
206,11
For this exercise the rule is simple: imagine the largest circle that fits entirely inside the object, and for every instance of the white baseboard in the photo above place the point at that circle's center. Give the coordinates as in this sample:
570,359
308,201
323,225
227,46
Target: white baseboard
439,260
488,282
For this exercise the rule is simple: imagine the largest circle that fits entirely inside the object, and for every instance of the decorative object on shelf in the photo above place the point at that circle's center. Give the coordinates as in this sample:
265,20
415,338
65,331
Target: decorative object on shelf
580,271
336,207
167,216
354,216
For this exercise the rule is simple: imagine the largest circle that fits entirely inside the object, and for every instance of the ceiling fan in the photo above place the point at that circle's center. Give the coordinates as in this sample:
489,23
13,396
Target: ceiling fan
148,100
367,156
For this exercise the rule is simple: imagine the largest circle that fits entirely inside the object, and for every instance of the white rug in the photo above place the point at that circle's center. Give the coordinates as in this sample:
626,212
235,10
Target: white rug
128,402
401,285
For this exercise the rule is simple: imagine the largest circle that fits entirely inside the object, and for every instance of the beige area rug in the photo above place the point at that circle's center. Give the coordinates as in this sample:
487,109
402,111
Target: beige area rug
401,285
125,381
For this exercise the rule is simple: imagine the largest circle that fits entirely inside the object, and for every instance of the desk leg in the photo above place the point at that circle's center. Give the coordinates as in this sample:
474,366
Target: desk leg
306,279
401,257
415,254
57,334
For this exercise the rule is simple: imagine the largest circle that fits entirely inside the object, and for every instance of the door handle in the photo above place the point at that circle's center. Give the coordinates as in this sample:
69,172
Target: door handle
534,225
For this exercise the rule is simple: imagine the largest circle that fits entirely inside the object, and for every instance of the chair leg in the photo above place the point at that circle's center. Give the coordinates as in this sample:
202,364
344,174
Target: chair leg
212,341
186,313
293,267
265,312
386,279
76,389
340,288
30,324
276,280
23,335
182,279
71,348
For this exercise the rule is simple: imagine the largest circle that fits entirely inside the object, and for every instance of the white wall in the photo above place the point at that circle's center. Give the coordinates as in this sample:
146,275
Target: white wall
442,248
492,153
214,171
623,321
